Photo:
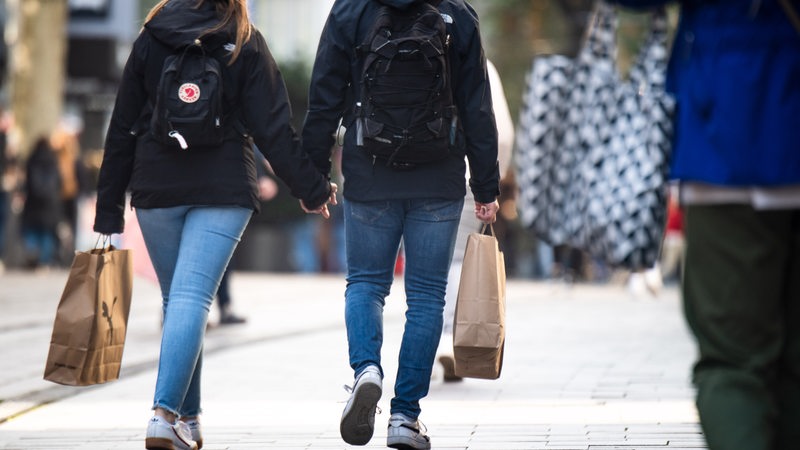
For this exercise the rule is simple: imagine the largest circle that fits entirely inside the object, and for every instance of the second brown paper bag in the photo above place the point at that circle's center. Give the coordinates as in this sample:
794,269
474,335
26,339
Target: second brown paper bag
479,327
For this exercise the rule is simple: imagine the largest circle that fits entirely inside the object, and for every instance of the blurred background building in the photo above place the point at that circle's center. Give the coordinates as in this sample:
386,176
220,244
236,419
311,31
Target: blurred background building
61,61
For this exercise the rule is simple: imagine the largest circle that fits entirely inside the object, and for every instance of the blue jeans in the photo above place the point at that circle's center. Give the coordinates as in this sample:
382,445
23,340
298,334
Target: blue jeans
373,233
40,243
190,247
305,252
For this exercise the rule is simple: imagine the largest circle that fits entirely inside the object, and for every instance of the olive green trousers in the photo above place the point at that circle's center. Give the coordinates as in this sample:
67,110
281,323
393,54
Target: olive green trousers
741,292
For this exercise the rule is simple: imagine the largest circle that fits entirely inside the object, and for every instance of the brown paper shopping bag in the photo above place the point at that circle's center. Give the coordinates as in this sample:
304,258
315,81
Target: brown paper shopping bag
91,319
479,327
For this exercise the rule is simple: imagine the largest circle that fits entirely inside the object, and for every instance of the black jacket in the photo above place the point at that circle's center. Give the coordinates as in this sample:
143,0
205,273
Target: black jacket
334,84
43,206
159,177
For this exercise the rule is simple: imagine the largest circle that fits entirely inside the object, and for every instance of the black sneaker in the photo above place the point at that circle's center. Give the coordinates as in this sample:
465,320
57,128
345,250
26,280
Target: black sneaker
231,319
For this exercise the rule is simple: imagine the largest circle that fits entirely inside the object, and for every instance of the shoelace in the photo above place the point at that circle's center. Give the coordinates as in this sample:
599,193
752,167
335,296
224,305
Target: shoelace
350,390
422,428
419,427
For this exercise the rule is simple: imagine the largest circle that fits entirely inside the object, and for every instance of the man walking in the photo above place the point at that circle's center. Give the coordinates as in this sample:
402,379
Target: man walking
409,81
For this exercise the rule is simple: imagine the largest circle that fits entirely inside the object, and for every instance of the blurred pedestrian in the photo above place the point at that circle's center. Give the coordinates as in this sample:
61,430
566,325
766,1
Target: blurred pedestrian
41,212
193,202
673,248
6,185
468,223
225,303
74,181
389,198
735,72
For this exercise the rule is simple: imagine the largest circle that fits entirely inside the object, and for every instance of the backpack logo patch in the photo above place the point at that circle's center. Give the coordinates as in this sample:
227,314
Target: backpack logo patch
189,93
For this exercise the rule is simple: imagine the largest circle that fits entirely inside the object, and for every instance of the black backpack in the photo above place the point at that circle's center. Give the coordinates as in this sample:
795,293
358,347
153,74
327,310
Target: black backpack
405,115
188,108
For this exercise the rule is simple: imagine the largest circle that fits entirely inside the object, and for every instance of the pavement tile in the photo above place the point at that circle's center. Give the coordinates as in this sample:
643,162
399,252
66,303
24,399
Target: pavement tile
586,367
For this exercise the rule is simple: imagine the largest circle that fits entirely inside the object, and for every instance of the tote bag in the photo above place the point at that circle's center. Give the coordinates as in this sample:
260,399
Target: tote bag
91,320
593,148
479,330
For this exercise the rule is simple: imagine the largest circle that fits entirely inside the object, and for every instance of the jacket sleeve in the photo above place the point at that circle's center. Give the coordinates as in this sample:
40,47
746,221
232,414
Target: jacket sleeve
120,145
474,101
327,96
268,114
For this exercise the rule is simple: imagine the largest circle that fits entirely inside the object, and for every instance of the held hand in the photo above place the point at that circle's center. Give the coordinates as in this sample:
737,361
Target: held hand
487,212
334,188
323,210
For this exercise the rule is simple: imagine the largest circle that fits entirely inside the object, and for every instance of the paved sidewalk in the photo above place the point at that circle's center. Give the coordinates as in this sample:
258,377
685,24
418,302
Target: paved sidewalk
586,367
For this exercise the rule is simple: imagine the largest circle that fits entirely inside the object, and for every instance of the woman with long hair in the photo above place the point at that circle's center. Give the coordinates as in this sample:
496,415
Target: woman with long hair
193,204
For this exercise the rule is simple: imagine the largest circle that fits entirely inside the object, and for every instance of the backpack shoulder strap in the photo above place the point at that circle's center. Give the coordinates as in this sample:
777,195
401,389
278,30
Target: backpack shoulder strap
382,19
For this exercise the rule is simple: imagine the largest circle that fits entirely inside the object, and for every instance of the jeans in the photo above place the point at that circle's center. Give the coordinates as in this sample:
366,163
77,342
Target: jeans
40,243
190,247
373,233
305,253
224,290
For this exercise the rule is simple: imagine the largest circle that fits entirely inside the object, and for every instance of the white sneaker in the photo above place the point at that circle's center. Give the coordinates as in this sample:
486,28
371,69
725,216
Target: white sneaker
197,434
358,418
407,434
162,435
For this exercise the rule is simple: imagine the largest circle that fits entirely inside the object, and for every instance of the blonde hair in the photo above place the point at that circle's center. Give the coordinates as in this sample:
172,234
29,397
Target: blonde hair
230,12
67,148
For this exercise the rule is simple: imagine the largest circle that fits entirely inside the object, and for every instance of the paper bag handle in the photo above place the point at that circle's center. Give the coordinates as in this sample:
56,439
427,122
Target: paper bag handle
102,241
490,227
102,245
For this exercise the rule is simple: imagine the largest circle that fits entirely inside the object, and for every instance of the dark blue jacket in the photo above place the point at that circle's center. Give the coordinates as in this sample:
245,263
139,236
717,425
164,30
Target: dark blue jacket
335,79
735,71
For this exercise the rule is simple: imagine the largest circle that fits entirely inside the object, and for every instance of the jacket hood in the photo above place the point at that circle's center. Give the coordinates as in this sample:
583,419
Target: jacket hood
179,23
400,4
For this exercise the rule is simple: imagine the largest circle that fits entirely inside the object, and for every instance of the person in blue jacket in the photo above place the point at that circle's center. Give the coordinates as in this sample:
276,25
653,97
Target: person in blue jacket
735,72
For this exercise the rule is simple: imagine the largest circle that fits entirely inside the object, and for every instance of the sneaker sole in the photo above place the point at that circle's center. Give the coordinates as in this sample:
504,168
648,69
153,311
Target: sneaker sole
405,443
355,427
161,444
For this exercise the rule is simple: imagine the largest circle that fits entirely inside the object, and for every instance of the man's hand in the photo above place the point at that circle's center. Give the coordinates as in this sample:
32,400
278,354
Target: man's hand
487,212
323,210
